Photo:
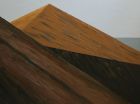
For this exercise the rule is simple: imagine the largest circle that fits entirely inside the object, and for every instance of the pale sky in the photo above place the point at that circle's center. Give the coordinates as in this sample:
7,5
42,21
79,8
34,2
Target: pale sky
118,18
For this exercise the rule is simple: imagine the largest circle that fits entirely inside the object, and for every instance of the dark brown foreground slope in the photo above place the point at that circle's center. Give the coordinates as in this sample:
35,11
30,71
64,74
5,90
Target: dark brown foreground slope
44,78
120,71
122,78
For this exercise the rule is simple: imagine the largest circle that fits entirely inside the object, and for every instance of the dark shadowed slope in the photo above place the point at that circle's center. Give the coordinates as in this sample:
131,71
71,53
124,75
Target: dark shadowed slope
43,77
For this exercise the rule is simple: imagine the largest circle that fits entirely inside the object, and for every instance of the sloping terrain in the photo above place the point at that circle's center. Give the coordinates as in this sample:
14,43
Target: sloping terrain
55,28
109,61
41,77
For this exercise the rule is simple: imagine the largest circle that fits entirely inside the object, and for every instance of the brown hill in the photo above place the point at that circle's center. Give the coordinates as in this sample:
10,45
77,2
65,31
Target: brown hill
43,77
109,61
55,28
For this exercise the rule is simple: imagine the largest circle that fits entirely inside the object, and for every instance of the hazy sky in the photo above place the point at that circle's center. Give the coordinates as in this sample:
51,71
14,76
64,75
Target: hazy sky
118,18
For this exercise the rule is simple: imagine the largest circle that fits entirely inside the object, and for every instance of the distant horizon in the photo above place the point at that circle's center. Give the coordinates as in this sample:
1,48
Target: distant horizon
132,42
